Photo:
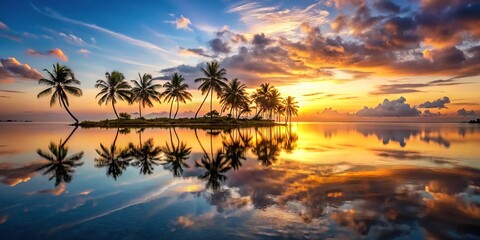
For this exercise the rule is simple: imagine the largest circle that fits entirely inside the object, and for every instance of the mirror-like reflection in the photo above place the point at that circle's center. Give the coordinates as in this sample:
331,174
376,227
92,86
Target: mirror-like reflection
305,180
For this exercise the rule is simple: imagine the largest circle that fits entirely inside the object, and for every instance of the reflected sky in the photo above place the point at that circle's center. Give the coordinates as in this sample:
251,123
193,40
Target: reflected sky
308,180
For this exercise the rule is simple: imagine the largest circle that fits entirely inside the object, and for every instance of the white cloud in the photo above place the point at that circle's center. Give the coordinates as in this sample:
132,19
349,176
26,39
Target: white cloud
273,20
70,38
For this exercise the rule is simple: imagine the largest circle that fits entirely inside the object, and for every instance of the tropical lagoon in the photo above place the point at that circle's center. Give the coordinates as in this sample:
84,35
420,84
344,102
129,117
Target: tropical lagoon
304,181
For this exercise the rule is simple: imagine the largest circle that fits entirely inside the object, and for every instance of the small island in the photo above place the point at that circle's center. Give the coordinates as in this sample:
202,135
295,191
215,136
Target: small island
203,122
474,121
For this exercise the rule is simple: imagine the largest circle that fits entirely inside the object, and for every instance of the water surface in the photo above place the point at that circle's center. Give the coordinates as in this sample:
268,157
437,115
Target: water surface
309,180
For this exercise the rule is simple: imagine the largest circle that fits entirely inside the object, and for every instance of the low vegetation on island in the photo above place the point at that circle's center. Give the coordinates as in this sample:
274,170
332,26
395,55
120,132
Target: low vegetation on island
237,106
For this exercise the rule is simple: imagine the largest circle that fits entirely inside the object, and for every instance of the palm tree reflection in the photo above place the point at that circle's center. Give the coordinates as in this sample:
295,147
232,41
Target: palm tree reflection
116,160
60,166
176,155
216,169
216,166
145,155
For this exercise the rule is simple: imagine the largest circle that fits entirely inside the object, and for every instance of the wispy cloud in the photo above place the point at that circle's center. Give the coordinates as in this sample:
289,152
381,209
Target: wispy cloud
276,20
3,26
84,51
144,44
72,38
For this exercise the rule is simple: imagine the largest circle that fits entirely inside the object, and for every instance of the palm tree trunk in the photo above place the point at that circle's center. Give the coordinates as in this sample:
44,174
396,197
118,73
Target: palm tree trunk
115,110
116,136
170,114
176,111
201,104
66,140
66,108
211,100
140,108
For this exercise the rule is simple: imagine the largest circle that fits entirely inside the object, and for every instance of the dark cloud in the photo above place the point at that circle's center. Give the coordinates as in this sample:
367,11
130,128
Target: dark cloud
11,69
411,87
439,103
428,113
312,94
219,46
464,112
259,40
394,108
188,72
387,5
10,91
194,51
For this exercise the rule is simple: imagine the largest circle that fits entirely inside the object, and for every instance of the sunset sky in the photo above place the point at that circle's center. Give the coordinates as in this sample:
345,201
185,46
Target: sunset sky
340,59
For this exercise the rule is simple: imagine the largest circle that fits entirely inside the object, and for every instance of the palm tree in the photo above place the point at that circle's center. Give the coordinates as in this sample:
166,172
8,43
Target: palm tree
273,101
59,166
176,91
144,91
291,108
214,81
260,97
116,160
234,97
115,87
60,83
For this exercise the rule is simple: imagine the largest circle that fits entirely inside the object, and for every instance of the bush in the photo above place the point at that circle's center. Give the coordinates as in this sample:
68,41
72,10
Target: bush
257,117
213,113
125,116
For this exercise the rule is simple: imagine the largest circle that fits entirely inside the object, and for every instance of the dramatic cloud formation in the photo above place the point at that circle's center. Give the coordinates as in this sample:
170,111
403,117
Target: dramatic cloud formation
57,52
181,23
70,38
394,108
439,103
11,69
463,112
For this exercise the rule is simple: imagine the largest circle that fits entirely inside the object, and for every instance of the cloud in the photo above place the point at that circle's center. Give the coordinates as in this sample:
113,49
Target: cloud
428,113
56,52
274,20
10,91
123,37
387,5
181,23
193,51
412,87
11,69
394,108
84,51
439,103
259,40
219,46
70,38
3,26
463,112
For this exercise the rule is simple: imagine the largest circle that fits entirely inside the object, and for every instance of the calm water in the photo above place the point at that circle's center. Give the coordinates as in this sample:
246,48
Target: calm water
311,180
